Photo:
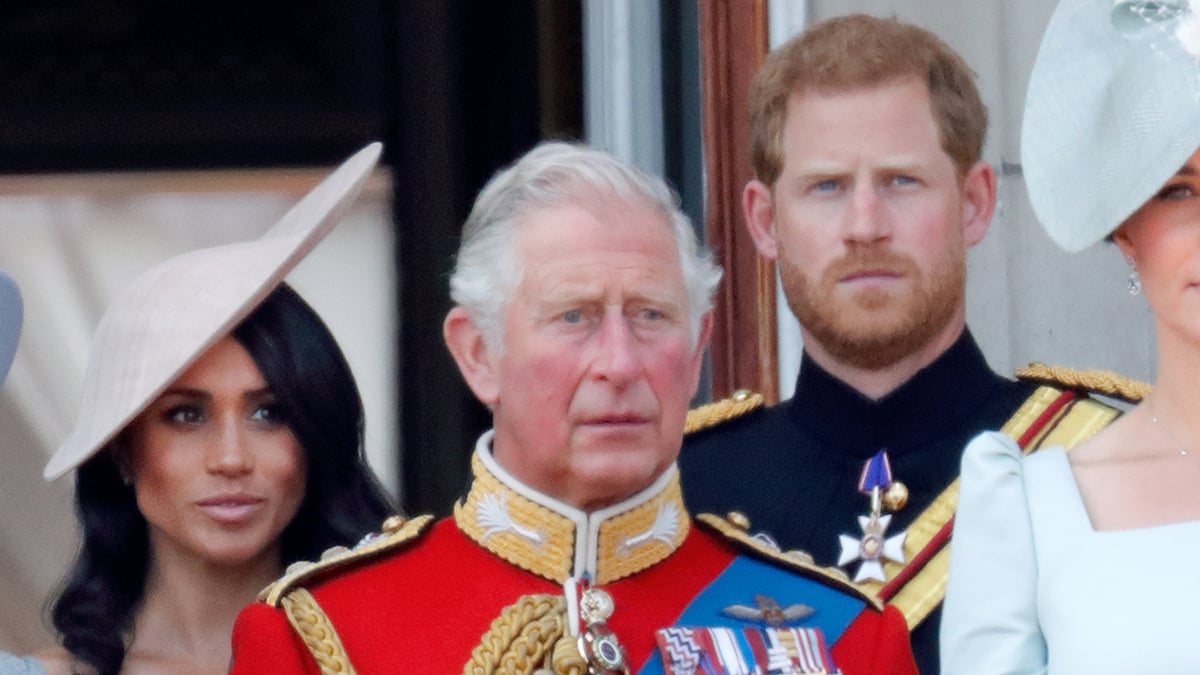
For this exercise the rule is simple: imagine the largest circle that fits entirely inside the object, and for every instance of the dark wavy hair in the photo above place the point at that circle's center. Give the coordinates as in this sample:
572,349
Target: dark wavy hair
316,392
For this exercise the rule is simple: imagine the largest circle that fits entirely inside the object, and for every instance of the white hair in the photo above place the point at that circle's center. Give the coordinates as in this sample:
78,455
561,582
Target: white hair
488,268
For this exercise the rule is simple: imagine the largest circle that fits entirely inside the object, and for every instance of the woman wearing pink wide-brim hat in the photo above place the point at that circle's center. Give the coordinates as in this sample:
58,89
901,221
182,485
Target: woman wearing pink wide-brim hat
219,439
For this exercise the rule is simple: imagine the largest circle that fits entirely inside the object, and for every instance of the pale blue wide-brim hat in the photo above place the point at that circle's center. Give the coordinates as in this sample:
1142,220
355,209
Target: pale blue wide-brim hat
1112,112
10,322
160,324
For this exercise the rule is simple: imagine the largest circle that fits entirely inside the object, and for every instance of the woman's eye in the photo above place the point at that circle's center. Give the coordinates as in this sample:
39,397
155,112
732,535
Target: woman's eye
1175,192
184,414
270,413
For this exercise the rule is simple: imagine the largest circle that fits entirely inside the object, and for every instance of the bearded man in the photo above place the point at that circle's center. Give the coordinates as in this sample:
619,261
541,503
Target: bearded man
867,137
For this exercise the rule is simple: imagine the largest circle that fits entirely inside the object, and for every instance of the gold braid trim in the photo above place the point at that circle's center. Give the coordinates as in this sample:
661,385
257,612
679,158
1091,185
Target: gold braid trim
549,556
617,558
396,532
1103,382
521,638
315,629
566,658
711,414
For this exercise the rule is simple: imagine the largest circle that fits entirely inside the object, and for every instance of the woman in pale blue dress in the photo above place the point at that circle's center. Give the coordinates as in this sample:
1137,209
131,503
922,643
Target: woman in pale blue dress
1084,563
20,665
10,332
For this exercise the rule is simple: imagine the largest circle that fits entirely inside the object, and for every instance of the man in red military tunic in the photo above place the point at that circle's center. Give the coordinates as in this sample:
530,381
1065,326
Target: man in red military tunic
582,312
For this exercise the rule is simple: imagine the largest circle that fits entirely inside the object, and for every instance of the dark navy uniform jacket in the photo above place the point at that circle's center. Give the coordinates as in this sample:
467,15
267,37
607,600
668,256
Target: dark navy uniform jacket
793,469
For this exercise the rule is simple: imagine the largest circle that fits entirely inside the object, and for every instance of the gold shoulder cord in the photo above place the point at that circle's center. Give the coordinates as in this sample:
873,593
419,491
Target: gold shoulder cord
1103,382
306,616
711,414
396,532
315,629
523,636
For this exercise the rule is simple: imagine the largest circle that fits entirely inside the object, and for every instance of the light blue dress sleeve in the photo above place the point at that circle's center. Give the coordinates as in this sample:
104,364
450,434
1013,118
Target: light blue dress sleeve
19,665
990,620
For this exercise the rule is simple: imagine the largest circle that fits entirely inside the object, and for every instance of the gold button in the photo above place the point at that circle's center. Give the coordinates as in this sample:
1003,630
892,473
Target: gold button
837,574
298,566
801,556
896,496
738,520
393,523
333,551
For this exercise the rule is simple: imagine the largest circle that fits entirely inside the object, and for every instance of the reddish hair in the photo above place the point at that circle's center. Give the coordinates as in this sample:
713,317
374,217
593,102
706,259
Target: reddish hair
860,51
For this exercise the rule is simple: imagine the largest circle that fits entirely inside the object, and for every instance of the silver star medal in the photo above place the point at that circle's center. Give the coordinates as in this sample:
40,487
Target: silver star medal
874,547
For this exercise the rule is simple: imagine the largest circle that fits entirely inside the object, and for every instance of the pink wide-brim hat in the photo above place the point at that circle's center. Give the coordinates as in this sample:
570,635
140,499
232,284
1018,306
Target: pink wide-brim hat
159,325
10,322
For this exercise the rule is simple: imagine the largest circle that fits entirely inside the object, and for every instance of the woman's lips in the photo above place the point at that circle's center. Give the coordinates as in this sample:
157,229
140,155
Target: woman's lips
230,509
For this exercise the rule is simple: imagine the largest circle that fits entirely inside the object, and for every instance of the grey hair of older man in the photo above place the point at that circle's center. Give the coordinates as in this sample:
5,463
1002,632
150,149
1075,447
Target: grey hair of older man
488,268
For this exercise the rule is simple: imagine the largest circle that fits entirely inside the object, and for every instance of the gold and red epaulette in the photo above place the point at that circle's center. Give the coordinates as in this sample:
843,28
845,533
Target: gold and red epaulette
735,528
305,615
396,531
1059,412
1103,382
1064,414
741,402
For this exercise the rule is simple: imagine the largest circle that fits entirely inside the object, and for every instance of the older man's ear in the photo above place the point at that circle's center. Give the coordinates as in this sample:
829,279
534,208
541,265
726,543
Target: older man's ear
477,363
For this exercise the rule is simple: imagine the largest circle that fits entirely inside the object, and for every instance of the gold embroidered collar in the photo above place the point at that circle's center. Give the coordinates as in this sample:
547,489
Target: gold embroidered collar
557,541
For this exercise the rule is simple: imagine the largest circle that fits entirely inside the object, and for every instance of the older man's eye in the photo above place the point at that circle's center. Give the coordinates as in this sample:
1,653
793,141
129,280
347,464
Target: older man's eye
573,316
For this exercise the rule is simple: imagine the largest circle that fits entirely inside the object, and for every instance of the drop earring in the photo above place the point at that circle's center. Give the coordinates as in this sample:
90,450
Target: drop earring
1134,284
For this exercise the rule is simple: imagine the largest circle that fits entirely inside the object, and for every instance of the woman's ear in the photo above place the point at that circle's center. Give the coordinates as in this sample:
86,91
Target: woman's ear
1120,237
476,361
121,452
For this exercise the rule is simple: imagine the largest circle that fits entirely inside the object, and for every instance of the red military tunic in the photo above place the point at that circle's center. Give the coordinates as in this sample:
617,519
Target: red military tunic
425,605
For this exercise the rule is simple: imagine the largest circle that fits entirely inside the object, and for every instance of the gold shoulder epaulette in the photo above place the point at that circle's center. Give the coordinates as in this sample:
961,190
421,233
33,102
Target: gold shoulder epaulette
395,531
736,528
711,414
1103,382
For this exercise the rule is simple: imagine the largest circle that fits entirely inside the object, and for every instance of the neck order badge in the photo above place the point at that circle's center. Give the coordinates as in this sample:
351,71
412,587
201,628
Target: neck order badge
873,548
